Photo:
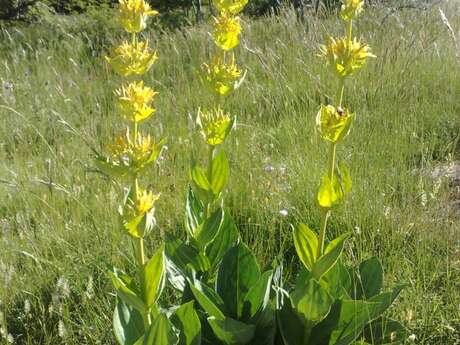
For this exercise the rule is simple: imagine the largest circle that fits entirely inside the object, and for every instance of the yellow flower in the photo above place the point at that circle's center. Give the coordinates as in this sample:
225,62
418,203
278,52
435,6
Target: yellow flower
132,59
133,155
134,101
344,56
215,125
134,14
226,31
333,123
351,9
222,77
145,201
230,6
137,214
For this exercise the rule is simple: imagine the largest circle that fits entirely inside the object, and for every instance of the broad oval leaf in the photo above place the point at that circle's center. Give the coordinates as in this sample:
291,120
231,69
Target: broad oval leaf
184,255
330,256
258,296
306,245
154,277
370,278
209,229
238,272
198,176
127,295
128,325
220,172
225,239
312,302
208,299
232,332
194,210
186,320
161,332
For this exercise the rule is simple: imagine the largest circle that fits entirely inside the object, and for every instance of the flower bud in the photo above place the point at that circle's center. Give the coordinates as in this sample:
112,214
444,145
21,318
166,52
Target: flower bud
333,123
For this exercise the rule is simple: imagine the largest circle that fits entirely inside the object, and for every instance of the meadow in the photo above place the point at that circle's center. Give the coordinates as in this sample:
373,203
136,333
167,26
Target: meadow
59,231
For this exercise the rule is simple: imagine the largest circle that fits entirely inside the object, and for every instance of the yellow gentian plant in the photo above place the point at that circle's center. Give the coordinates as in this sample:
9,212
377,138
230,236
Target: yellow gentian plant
138,319
331,303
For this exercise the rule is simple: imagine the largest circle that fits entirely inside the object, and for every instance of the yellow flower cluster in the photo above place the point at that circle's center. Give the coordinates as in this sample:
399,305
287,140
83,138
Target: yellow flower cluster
133,14
345,56
145,201
133,154
137,215
232,7
128,58
333,123
134,101
351,8
214,125
227,28
222,78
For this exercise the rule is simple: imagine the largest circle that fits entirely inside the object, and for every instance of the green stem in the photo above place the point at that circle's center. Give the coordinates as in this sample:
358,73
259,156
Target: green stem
210,159
326,212
350,30
133,38
341,91
140,255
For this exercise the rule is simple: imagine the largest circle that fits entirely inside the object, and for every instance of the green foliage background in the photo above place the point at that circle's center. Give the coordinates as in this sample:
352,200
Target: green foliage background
58,228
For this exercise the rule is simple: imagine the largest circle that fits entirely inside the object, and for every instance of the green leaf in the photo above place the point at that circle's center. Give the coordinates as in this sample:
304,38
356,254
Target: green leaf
328,193
385,331
344,177
126,294
161,332
330,256
209,229
354,315
238,272
370,278
225,239
258,296
184,255
186,320
306,245
198,176
154,277
194,210
128,324
210,301
312,302
115,171
290,325
337,281
220,172
232,332
385,300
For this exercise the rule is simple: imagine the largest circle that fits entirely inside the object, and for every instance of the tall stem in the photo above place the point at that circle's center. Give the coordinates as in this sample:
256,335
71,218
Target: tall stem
341,91
210,159
350,30
326,212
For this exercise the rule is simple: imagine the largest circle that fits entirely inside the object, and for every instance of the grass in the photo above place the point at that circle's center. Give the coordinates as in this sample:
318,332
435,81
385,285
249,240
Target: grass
59,232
